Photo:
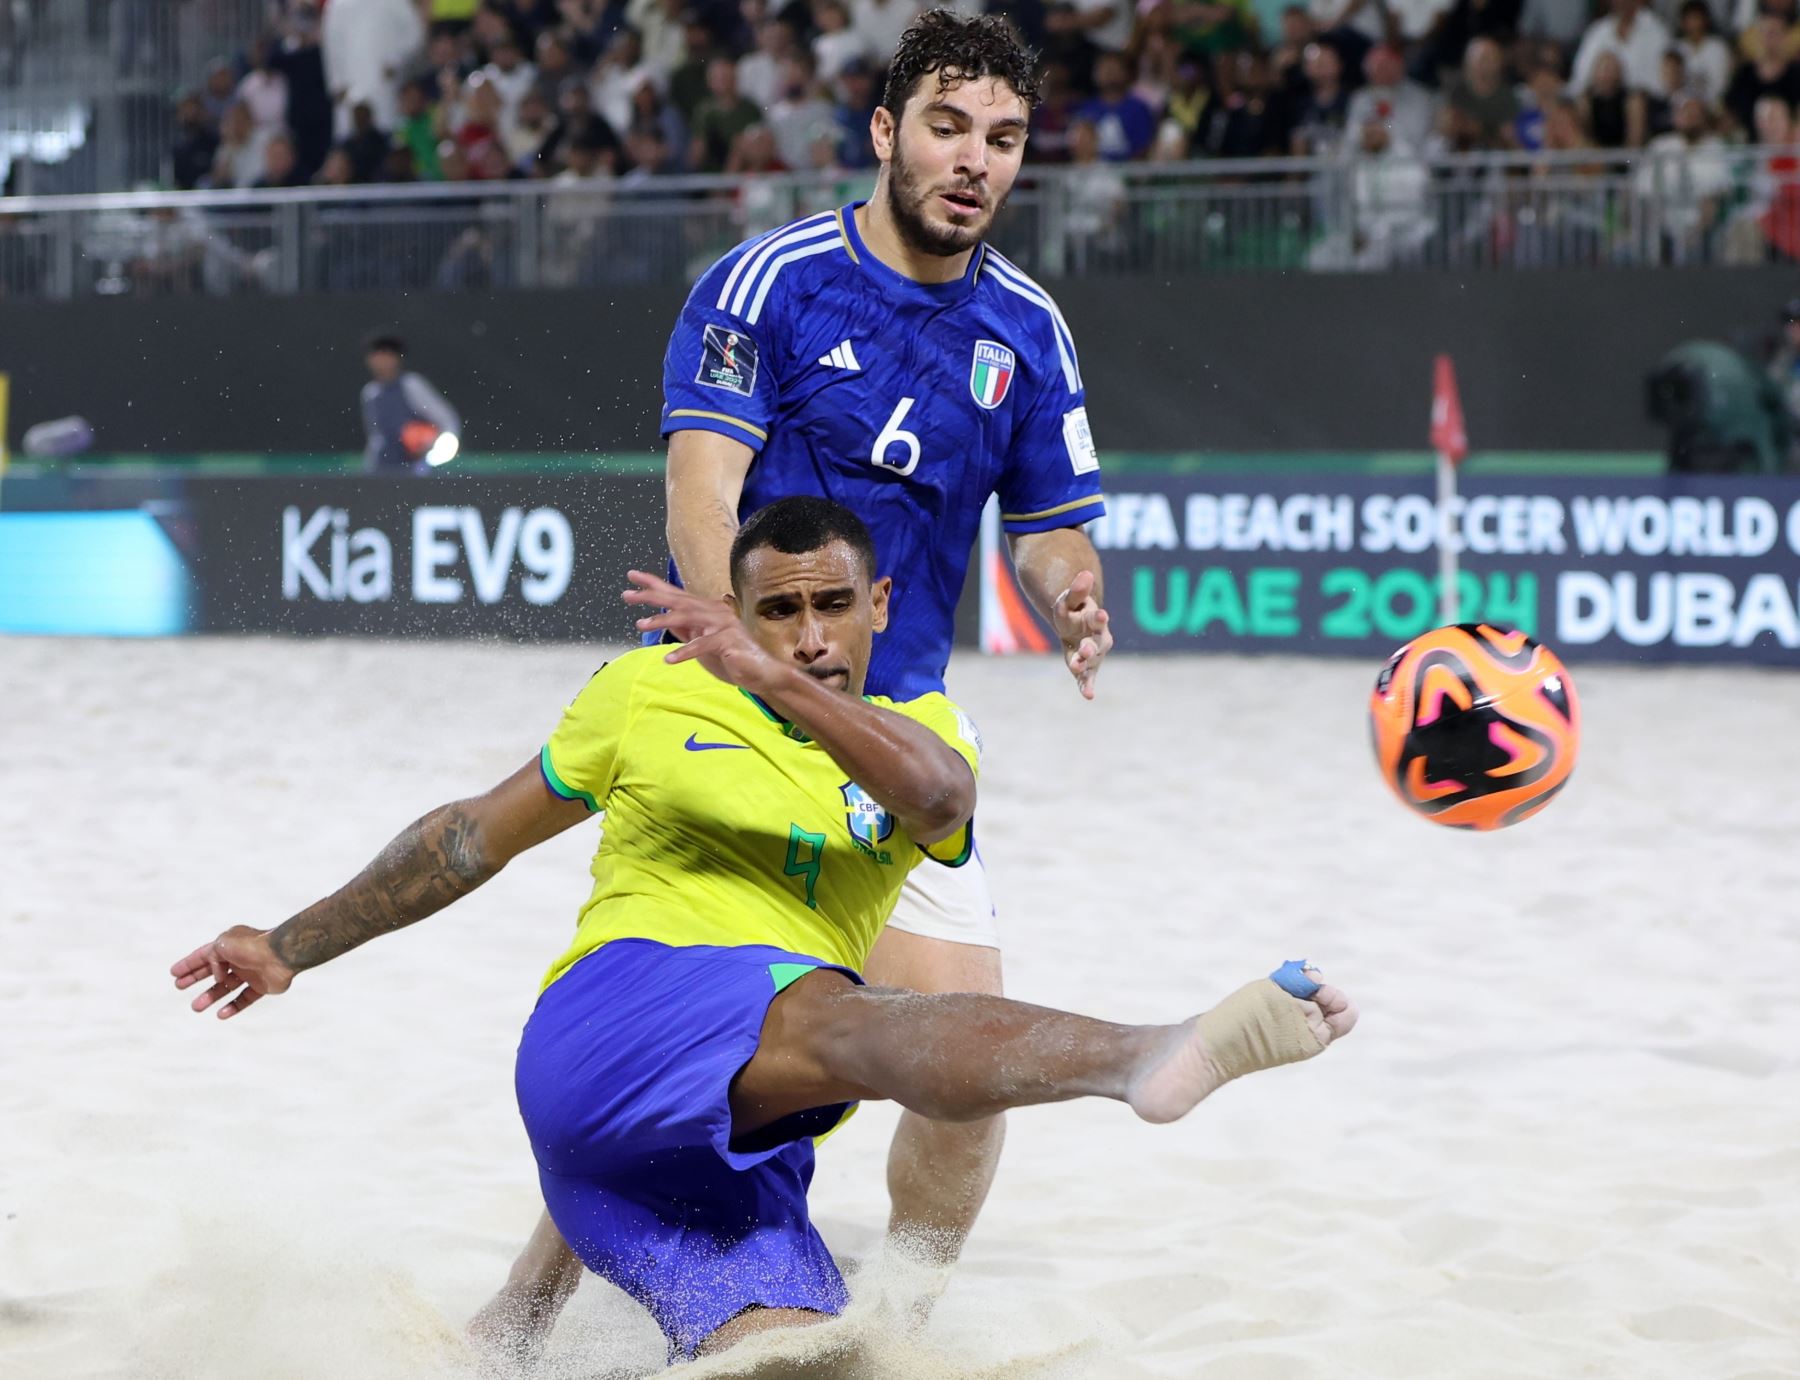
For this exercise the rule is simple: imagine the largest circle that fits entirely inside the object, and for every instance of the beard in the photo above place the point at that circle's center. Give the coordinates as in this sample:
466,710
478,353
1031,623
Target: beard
907,198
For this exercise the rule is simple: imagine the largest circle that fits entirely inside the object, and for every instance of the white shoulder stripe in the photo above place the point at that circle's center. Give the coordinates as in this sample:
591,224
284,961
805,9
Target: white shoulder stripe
805,251
1009,277
1070,375
756,244
1005,265
766,253
1005,268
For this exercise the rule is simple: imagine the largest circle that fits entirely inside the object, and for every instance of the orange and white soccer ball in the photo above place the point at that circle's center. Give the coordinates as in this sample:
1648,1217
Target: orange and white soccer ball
1474,726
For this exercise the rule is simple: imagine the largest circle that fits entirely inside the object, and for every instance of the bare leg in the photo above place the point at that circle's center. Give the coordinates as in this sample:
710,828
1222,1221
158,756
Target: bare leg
516,1322
938,1172
754,1320
962,1057
842,1359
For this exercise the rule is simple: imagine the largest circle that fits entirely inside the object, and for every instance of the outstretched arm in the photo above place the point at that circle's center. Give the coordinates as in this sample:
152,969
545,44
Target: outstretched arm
902,763
907,768
1060,573
435,860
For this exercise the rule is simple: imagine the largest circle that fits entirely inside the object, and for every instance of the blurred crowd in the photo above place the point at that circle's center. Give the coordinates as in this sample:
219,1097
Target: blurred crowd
359,91
601,97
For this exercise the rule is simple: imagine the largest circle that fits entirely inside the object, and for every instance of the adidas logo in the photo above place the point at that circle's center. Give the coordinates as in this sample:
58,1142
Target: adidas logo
843,357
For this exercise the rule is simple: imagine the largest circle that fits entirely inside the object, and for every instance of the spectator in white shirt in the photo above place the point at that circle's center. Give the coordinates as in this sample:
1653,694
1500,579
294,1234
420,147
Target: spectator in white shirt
836,44
662,32
1390,190
1404,107
511,76
1708,57
1690,178
239,160
759,74
617,75
263,91
1636,36
801,114
881,22
1096,198
366,45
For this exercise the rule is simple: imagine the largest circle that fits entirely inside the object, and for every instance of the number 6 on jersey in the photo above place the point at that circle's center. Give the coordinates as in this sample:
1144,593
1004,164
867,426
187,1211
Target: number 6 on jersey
891,436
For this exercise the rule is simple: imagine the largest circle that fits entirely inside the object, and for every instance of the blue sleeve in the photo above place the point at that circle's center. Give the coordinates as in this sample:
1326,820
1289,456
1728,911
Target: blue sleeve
1052,473
719,371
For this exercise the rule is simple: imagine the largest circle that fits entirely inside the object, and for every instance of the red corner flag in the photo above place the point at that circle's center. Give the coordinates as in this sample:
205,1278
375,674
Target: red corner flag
1449,438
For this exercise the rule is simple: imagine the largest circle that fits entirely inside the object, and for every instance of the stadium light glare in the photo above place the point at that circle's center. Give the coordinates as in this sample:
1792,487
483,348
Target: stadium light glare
443,450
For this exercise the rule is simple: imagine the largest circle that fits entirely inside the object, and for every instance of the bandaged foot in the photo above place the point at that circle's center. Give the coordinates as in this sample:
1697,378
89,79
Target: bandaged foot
1281,1019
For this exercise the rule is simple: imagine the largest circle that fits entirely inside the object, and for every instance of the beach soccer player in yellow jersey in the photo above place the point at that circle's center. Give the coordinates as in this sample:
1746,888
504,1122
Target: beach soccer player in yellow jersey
886,355
709,1020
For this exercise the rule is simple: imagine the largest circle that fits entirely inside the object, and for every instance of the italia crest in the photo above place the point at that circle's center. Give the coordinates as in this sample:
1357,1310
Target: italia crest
868,820
991,373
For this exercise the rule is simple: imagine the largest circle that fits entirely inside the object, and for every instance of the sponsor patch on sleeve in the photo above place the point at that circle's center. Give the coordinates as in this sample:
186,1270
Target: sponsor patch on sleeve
965,727
1078,440
728,361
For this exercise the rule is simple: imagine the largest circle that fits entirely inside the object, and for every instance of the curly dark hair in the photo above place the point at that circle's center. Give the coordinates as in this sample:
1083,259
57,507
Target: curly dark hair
959,50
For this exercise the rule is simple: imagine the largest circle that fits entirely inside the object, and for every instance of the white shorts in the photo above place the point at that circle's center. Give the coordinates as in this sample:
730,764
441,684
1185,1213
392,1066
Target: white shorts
950,903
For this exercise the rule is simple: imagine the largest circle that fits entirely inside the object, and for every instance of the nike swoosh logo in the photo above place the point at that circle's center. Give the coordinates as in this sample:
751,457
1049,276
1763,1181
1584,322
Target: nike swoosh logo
695,745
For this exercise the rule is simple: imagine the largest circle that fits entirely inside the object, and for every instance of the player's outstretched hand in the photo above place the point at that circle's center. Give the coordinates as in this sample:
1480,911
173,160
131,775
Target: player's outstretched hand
709,632
685,615
1081,624
243,969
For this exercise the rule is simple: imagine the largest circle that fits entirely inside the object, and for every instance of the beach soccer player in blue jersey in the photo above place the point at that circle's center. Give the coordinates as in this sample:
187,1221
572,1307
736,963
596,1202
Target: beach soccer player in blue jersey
884,356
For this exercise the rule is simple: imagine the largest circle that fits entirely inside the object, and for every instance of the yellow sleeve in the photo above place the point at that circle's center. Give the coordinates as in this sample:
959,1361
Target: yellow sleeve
581,759
956,728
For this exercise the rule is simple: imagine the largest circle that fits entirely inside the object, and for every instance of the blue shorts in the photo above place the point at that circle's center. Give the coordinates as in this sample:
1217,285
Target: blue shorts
624,1082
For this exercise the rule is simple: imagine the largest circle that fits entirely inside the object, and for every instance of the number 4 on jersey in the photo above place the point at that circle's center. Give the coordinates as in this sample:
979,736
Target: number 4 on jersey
891,436
805,864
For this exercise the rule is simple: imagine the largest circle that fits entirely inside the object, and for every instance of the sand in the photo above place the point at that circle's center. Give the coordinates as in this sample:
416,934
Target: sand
1565,1140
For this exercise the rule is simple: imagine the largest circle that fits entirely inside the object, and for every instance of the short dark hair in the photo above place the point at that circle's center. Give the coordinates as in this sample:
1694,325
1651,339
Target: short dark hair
801,523
380,341
959,50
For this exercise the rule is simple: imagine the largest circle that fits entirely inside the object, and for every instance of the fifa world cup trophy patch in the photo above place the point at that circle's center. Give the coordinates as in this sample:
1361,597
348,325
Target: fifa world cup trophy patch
728,361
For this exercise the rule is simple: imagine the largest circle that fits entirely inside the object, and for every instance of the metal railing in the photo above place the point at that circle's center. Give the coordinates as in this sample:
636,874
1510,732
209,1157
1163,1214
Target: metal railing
1709,206
85,85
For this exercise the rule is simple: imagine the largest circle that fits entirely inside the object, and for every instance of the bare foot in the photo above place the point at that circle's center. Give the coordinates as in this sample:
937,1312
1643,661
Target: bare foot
510,1331
512,1328
1259,1026
909,1276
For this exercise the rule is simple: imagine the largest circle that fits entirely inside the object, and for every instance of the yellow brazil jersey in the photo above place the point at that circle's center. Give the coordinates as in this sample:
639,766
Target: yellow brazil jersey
727,825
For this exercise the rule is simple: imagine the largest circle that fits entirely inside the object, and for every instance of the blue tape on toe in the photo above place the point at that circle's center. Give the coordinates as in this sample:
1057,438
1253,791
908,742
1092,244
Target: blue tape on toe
1291,978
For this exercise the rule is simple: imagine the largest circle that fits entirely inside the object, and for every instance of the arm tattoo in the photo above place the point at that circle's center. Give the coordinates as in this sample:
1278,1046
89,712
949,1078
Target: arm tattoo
431,863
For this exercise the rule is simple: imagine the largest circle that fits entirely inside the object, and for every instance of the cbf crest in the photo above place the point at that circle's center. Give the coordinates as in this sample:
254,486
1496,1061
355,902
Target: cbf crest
991,373
868,820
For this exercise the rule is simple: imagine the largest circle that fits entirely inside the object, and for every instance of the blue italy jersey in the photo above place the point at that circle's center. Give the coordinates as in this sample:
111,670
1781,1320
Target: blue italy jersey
909,403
